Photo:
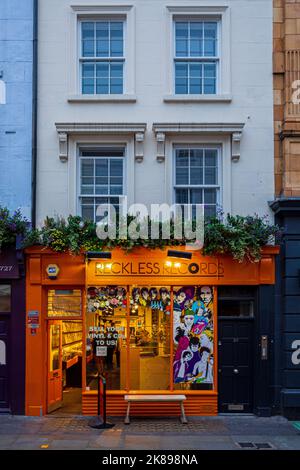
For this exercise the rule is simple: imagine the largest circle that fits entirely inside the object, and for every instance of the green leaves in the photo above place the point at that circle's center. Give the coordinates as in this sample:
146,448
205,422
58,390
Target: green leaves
11,225
237,236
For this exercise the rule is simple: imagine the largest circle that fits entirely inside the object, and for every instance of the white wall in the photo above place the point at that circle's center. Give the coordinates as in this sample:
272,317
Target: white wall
250,64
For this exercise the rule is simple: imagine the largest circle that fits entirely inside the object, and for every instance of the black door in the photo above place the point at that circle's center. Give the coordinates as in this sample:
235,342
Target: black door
235,356
4,378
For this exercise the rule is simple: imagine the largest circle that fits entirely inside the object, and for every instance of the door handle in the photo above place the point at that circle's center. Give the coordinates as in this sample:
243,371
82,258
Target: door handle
235,371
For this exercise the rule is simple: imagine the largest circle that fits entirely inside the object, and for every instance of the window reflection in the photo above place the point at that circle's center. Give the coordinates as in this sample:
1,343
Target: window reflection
5,298
106,336
150,338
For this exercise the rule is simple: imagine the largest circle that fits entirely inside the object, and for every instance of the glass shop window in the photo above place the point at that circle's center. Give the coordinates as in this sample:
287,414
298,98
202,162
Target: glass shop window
5,298
106,330
193,338
64,303
54,347
150,338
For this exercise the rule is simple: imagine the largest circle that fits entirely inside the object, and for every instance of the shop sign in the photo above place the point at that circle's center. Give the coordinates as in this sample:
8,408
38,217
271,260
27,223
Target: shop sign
9,268
101,351
160,268
33,321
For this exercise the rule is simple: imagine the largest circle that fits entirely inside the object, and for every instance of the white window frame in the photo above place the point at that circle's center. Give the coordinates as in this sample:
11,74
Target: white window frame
122,197
202,186
192,59
223,143
80,13
220,14
108,59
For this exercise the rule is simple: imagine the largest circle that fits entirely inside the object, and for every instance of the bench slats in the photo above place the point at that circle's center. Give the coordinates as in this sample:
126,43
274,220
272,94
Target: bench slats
154,398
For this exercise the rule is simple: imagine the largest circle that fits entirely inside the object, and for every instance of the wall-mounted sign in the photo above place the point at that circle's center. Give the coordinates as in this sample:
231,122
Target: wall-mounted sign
9,268
159,268
33,320
52,271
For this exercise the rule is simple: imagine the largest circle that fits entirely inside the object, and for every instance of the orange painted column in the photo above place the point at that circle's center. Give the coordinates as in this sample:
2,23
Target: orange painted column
36,363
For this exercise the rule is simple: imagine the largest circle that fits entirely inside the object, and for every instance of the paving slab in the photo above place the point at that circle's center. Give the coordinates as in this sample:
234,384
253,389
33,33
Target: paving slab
201,433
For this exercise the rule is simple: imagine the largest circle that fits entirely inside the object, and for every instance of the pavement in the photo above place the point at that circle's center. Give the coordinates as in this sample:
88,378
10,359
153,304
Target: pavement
230,432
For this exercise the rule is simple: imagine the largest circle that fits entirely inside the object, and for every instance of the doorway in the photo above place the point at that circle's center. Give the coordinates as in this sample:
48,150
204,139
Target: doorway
235,350
64,366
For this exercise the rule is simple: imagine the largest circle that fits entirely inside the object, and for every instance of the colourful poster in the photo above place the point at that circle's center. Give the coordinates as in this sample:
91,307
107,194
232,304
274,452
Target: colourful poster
193,335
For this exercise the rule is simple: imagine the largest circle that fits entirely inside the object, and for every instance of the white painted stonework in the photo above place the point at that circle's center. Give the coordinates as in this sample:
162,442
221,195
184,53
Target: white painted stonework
239,118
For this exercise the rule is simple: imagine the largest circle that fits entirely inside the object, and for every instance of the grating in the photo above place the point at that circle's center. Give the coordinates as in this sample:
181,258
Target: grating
255,445
246,445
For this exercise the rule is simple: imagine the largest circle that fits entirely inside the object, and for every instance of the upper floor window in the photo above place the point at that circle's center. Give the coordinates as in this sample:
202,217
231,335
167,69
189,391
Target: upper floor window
101,180
197,179
196,57
102,57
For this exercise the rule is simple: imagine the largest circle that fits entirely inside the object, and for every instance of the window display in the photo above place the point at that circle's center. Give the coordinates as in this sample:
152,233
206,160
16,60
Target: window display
150,338
132,343
193,337
106,336
64,303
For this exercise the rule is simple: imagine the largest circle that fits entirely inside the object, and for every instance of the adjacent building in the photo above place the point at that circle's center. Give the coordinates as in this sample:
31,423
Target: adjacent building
152,102
286,206
16,136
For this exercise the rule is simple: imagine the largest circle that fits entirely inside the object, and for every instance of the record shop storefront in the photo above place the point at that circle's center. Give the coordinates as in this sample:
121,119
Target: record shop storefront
150,324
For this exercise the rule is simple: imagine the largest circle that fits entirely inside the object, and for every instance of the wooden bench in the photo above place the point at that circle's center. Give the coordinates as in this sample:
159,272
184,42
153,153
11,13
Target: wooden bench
155,398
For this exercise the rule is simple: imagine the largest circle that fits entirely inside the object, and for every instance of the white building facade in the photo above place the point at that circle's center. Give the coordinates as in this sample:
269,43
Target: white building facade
155,101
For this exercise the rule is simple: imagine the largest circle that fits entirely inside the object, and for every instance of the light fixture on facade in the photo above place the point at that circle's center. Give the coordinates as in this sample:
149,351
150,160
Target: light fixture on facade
179,254
98,255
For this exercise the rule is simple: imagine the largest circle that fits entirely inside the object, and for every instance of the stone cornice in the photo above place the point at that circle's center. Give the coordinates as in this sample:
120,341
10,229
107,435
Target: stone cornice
233,129
134,129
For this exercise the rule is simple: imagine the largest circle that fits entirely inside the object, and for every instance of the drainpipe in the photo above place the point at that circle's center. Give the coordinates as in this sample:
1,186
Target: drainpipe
34,112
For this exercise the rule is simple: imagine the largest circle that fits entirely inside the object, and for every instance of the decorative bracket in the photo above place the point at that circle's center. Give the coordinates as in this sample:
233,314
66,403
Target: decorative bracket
139,147
161,154
236,146
63,146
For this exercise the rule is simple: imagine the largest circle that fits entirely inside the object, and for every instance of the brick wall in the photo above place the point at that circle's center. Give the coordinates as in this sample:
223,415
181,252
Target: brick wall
286,68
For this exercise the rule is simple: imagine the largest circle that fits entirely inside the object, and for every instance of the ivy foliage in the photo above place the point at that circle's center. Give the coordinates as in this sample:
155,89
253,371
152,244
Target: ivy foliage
11,226
238,236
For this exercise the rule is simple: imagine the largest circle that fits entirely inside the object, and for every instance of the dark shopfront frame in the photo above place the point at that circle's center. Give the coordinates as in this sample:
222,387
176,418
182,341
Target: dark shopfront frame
287,311
12,273
263,326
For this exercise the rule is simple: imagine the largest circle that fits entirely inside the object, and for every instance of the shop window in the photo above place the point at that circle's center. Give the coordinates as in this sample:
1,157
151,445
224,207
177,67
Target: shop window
193,335
5,298
106,326
150,338
133,345
64,303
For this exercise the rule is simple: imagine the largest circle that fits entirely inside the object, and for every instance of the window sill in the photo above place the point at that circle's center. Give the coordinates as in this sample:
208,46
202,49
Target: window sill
226,98
102,99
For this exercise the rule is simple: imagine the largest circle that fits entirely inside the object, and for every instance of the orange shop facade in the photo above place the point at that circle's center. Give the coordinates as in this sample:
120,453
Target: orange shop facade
150,324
